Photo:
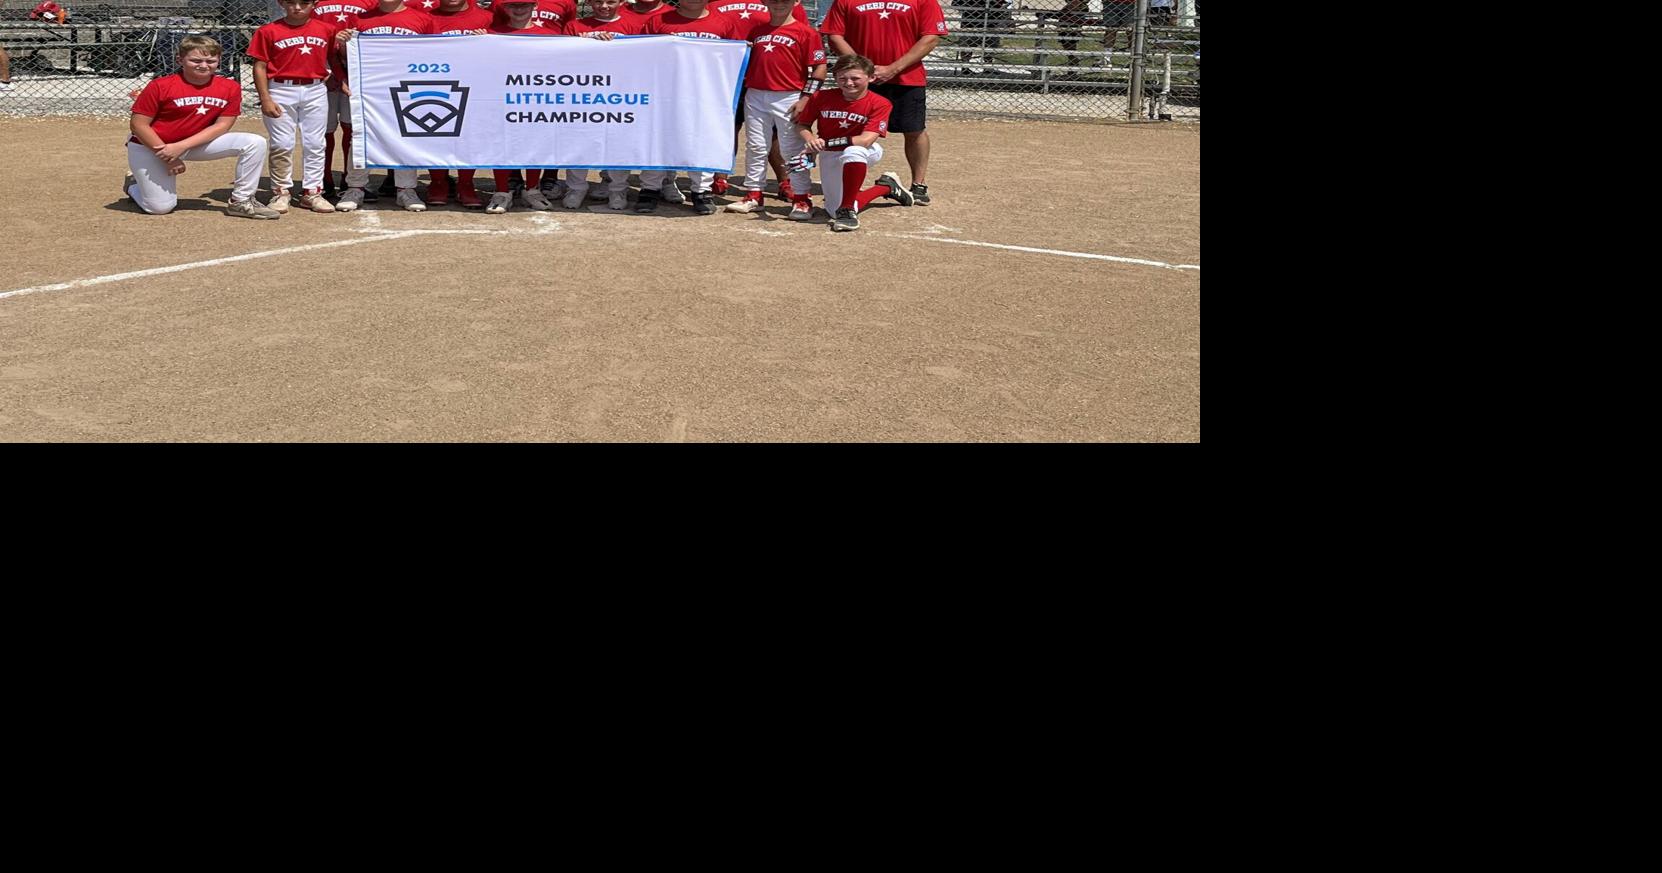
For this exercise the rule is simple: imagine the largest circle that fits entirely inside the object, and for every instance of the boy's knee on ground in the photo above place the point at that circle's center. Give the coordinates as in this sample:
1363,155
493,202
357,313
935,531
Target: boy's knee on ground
161,204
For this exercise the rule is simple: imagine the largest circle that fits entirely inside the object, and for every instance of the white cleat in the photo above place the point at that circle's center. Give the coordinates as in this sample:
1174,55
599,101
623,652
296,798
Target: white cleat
410,201
500,201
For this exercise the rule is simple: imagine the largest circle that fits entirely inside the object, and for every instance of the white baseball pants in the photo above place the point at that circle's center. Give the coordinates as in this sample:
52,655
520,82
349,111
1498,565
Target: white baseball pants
157,192
764,113
657,180
831,171
578,180
359,178
305,107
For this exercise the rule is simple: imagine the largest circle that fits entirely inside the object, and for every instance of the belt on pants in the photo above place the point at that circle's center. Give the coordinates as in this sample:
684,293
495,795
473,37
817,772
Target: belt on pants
297,81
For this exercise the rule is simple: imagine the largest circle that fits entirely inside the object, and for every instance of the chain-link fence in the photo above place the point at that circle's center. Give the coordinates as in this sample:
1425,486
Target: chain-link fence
1070,59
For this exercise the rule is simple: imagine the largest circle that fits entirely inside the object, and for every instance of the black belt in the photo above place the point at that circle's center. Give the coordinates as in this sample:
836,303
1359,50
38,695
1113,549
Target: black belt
297,81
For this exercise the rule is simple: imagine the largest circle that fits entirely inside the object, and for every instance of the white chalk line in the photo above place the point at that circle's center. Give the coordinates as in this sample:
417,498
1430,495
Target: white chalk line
254,256
1057,252
543,225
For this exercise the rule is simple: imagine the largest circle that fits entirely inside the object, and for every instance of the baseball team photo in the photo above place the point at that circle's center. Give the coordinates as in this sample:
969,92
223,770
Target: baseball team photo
600,221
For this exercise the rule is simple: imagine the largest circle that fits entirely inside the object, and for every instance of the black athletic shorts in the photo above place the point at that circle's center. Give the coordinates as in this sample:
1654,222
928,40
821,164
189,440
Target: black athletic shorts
910,106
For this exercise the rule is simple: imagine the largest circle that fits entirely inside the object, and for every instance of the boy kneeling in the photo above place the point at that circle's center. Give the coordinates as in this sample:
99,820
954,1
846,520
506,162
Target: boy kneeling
188,117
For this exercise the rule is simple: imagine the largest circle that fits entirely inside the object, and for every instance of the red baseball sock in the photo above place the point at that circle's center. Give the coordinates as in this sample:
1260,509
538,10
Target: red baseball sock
501,177
464,179
854,175
865,197
533,178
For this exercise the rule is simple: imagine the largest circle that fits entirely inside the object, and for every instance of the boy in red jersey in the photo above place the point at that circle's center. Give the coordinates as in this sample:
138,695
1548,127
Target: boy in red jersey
851,120
188,117
787,66
291,64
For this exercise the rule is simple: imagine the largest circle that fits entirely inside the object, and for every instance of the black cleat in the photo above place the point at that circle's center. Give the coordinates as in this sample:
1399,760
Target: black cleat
845,220
896,193
920,195
703,204
647,202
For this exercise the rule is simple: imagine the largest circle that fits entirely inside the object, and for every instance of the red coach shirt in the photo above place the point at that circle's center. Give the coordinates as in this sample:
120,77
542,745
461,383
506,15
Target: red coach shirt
624,25
837,116
883,30
557,14
293,52
780,56
752,13
712,26
336,13
404,21
471,18
181,110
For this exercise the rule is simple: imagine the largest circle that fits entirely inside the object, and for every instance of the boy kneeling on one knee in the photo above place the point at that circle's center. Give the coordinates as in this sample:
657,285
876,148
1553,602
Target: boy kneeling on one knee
188,117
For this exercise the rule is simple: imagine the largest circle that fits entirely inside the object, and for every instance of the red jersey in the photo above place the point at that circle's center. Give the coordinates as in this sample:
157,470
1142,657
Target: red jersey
838,116
293,52
712,26
404,21
752,13
883,30
627,10
181,110
780,56
336,12
557,14
471,18
624,25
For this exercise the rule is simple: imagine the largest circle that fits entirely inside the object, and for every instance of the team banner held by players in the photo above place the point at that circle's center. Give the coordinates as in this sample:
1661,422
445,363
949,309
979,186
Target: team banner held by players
489,102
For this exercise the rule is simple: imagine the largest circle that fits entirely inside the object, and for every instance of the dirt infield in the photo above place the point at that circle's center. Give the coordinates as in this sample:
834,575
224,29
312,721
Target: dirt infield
995,314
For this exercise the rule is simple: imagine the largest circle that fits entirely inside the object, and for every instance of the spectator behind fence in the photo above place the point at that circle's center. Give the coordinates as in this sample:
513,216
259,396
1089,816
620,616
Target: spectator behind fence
1161,13
990,18
1118,17
5,70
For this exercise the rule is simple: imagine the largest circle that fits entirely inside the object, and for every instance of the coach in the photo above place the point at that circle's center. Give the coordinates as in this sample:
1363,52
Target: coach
895,35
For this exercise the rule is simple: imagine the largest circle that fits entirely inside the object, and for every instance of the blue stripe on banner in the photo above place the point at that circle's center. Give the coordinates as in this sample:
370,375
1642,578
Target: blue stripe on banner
442,95
738,91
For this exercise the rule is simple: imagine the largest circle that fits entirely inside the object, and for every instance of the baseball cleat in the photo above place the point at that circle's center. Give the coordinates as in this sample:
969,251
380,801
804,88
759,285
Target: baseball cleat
127,186
647,203
350,199
618,202
468,196
845,220
251,208
896,193
315,201
801,210
500,201
574,198
554,191
671,193
752,201
703,204
920,195
535,200
410,201
279,202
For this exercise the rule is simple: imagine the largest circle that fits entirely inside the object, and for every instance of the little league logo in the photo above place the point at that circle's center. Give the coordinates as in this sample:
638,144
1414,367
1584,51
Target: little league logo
430,108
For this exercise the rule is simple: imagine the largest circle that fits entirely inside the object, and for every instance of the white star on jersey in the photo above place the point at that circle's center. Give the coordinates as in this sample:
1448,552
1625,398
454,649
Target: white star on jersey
305,49
744,14
201,110
340,18
427,4
842,124
768,47
883,14
537,23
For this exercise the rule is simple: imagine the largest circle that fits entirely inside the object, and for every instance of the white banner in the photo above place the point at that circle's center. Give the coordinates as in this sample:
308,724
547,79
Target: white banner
500,102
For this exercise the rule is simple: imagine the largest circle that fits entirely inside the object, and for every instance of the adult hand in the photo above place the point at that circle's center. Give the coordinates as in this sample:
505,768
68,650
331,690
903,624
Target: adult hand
884,73
271,110
797,107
